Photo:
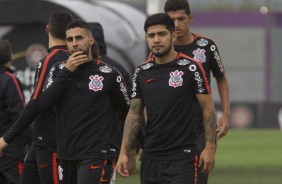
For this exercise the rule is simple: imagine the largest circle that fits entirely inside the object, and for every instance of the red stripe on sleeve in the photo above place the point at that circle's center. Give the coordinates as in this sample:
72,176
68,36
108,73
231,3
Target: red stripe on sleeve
15,81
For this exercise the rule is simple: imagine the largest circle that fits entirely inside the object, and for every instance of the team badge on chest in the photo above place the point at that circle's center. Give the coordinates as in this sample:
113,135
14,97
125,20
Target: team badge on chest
96,83
175,79
199,55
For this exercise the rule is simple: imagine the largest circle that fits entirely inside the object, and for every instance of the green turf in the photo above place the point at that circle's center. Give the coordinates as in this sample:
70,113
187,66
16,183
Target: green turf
243,157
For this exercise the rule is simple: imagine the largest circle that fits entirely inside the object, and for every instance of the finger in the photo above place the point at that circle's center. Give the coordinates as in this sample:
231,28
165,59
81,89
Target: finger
200,162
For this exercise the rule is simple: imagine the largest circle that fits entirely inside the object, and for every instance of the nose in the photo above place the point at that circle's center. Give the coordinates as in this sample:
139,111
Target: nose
176,23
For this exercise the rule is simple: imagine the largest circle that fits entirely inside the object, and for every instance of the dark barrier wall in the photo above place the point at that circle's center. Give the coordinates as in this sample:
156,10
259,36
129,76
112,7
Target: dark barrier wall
254,115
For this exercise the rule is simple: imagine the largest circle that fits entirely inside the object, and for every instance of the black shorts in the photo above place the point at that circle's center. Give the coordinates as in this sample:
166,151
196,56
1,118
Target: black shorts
40,166
201,144
181,171
91,171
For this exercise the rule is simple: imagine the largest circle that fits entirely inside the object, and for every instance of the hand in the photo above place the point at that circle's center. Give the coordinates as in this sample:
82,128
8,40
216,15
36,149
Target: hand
76,59
3,145
207,159
122,165
222,126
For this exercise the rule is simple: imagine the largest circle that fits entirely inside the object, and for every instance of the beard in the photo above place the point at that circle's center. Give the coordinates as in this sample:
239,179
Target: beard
164,52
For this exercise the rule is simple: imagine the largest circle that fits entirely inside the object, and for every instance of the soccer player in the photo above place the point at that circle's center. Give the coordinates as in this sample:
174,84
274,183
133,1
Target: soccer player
205,51
40,165
12,103
86,93
98,33
171,85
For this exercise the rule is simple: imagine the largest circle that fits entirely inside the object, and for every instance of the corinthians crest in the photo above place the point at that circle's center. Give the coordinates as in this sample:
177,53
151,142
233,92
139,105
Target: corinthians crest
175,79
96,83
199,55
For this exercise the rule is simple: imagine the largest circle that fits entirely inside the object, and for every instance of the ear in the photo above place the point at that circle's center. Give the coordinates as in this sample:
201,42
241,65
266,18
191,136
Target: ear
91,40
47,29
190,17
173,36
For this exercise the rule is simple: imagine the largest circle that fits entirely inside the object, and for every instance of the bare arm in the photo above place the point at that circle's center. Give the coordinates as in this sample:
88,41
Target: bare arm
131,128
223,121
208,155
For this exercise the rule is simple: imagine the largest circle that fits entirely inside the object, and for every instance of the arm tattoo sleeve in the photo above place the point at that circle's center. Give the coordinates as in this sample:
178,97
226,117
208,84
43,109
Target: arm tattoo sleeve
210,126
132,123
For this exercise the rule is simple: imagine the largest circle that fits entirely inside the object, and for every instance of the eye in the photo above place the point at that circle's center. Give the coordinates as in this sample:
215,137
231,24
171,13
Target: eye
69,39
150,35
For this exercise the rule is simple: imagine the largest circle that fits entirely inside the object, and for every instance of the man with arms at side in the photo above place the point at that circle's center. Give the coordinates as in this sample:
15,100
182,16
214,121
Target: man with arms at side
98,34
12,103
170,85
40,165
205,51
84,91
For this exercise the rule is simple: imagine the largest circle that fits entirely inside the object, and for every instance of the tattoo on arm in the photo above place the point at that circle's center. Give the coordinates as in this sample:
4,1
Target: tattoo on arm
132,123
210,125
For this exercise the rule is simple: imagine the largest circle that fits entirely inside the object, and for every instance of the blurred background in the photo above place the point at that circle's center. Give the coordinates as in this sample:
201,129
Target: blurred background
248,34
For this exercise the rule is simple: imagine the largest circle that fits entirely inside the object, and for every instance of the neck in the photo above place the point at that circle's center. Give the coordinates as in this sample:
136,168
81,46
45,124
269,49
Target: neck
185,40
9,64
167,58
55,41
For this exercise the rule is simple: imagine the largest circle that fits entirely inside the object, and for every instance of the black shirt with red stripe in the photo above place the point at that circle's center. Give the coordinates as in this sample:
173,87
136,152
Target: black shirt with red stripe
168,91
205,51
12,103
86,101
45,121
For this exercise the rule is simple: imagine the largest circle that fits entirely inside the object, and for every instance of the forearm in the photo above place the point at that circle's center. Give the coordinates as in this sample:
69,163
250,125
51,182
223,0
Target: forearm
25,119
52,93
210,125
132,126
223,90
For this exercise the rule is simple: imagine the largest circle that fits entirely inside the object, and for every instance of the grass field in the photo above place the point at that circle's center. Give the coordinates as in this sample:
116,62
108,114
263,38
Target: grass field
243,157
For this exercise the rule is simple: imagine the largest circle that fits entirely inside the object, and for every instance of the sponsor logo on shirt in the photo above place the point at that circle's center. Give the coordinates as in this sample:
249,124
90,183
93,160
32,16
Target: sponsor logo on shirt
175,79
105,69
123,89
95,83
183,62
146,66
199,55
202,42
199,81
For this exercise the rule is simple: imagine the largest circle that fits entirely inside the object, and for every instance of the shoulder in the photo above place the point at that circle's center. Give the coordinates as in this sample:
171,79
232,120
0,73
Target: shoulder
203,40
186,61
146,65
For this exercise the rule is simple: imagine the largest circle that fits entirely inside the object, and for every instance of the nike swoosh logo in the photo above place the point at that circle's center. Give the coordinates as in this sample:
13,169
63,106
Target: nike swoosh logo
148,80
94,167
42,166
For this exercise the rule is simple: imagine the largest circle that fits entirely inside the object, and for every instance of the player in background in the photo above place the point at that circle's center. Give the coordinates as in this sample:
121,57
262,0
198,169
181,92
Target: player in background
205,51
40,165
12,103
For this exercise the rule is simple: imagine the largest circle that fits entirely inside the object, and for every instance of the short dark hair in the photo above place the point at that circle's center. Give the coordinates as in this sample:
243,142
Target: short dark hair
174,5
78,23
58,21
5,52
159,19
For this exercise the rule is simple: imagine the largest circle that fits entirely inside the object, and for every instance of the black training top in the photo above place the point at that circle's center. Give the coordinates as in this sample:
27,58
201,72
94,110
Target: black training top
12,103
84,101
206,52
168,91
45,122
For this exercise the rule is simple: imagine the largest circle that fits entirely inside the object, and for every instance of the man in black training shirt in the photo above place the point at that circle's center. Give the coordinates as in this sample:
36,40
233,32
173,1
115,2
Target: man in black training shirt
40,165
205,51
84,90
98,34
170,85
12,103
